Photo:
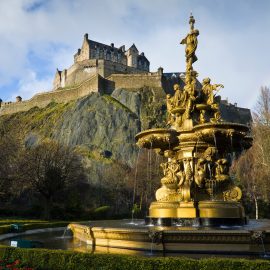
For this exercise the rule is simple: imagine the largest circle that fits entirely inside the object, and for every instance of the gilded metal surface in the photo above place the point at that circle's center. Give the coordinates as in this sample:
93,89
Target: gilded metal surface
174,239
157,138
201,147
219,209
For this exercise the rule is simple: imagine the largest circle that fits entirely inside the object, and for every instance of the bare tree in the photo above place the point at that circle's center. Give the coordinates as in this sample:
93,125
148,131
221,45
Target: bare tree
49,168
261,113
253,167
10,149
245,170
144,179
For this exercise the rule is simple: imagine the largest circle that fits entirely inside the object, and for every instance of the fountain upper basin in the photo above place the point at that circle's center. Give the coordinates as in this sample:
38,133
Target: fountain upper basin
157,138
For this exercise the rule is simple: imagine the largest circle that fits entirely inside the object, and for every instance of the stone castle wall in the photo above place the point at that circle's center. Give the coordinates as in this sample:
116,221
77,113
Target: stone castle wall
41,100
135,81
80,71
95,83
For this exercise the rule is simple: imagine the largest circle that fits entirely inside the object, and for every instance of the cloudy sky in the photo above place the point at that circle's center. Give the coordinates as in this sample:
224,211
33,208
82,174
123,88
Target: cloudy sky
38,36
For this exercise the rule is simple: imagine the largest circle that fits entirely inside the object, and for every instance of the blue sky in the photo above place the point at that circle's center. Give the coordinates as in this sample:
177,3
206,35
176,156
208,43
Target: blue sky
38,36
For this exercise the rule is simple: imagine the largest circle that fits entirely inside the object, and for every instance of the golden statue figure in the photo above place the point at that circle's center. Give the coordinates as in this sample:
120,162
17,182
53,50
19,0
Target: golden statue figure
178,97
200,175
222,170
208,90
189,94
169,102
191,42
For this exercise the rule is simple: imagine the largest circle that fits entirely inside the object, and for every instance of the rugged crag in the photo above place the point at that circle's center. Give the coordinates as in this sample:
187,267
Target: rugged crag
101,127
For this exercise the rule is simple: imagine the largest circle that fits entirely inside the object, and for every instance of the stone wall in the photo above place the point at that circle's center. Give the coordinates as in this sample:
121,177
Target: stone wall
95,83
61,95
106,68
135,81
81,71
232,113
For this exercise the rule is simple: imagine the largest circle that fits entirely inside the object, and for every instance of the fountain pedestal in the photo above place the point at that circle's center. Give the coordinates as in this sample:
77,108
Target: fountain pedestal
173,210
216,213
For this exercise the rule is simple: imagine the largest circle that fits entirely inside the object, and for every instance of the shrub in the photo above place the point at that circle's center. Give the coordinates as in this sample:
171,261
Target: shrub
59,260
101,212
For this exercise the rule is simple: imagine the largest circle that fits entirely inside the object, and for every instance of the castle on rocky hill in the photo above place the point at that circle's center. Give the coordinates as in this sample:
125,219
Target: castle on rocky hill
103,68
97,58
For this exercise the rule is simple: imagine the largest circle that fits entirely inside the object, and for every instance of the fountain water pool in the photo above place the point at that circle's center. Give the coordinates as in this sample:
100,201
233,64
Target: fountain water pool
124,237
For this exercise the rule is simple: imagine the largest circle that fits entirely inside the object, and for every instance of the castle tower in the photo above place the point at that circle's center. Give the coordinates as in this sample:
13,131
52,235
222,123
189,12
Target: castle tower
132,56
84,52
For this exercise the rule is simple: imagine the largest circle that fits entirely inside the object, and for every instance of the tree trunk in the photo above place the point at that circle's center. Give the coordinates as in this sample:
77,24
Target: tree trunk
256,207
47,208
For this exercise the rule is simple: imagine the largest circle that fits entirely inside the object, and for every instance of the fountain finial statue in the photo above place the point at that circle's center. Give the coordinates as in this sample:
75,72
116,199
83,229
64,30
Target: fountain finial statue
191,43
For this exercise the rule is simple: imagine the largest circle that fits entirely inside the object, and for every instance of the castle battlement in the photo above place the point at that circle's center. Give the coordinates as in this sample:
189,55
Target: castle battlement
41,100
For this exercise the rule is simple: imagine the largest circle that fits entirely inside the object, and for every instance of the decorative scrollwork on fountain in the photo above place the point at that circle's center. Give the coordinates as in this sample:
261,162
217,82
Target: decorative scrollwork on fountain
233,194
185,188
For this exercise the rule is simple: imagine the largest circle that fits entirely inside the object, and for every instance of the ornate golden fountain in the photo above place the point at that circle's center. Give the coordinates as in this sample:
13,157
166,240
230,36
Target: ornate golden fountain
199,146
196,186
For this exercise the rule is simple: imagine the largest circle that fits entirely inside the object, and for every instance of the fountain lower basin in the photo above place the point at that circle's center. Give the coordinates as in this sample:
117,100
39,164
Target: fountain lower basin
252,239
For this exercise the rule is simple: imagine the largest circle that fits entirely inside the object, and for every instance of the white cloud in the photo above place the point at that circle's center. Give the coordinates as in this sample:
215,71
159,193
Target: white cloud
30,85
233,43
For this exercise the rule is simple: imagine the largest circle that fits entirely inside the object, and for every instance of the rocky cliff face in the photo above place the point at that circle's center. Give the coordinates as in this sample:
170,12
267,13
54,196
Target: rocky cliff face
102,128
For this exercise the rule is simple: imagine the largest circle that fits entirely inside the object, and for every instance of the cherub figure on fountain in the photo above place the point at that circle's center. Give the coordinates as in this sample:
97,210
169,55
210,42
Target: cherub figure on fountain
170,170
168,191
222,170
201,171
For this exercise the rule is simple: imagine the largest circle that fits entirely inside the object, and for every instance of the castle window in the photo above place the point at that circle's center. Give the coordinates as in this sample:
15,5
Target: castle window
101,54
93,53
134,61
119,58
